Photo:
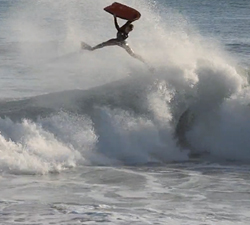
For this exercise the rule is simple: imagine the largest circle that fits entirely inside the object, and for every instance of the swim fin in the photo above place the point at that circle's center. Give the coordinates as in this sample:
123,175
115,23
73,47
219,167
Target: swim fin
85,46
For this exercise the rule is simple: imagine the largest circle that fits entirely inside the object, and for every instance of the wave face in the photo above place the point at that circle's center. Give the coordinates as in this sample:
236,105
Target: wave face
108,109
125,122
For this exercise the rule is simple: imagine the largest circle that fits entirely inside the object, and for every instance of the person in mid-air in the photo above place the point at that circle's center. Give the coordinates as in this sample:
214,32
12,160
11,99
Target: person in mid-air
120,40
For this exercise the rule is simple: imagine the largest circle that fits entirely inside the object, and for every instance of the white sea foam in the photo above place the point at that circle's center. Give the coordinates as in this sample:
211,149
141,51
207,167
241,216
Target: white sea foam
190,70
27,148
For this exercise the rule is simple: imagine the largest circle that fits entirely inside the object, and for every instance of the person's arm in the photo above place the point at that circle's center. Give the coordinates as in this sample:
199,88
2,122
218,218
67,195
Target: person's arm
126,24
116,23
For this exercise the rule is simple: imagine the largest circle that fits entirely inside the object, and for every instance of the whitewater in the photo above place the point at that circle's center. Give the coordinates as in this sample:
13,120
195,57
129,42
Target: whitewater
99,138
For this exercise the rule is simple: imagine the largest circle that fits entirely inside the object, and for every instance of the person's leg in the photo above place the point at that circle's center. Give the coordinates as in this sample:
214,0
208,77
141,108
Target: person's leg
105,44
131,52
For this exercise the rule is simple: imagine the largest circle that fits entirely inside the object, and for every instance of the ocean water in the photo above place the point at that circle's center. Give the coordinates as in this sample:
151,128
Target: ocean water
98,138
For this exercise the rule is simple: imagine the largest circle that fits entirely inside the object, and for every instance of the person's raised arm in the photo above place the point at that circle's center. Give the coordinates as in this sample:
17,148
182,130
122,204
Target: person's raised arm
126,24
116,23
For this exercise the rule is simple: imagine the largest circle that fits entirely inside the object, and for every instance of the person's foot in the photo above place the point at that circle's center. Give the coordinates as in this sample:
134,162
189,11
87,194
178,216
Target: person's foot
85,46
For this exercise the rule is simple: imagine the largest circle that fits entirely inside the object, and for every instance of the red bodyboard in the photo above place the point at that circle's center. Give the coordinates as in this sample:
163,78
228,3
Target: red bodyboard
123,11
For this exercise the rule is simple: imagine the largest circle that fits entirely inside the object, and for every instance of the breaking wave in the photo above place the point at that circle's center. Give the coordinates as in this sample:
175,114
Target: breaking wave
105,108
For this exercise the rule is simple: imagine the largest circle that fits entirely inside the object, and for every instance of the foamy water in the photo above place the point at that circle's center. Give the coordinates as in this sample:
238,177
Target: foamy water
90,137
